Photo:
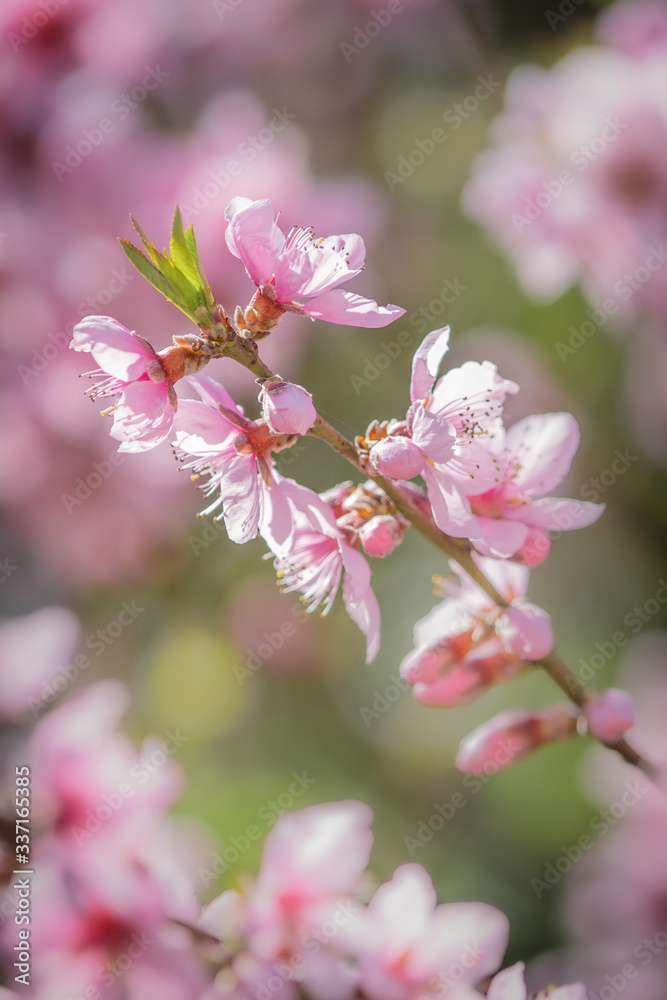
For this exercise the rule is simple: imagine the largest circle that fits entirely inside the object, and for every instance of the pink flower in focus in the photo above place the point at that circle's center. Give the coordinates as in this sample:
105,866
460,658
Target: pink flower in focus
510,985
537,456
315,559
610,715
453,426
131,369
512,735
236,455
467,643
408,946
287,408
301,266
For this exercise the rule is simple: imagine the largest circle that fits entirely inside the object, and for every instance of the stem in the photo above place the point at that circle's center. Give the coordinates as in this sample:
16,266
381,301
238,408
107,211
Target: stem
245,352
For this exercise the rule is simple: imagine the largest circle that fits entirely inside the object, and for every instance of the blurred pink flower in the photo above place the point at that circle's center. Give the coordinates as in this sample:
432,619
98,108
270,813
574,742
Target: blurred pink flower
33,650
510,985
301,266
409,948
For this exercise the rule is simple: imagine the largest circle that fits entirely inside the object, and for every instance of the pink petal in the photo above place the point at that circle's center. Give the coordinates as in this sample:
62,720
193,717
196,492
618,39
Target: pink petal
508,984
559,513
201,430
433,434
426,362
360,601
253,236
451,510
527,630
474,931
318,852
349,309
240,490
312,266
542,448
113,346
212,392
143,417
500,539
457,688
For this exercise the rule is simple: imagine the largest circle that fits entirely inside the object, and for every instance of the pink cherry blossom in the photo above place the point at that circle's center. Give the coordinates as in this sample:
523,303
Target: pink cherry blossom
610,714
512,735
453,423
316,558
131,369
467,643
287,408
510,985
409,948
235,453
301,266
537,456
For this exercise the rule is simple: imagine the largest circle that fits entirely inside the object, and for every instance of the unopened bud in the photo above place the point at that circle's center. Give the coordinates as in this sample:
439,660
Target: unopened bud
380,535
526,630
610,715
512,735
396,458
535,549
287,408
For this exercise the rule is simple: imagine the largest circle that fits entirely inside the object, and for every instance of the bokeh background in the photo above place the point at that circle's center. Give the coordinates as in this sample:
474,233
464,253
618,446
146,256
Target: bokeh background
323,115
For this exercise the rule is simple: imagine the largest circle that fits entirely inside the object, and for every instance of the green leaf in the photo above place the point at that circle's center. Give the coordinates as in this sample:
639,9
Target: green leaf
157,279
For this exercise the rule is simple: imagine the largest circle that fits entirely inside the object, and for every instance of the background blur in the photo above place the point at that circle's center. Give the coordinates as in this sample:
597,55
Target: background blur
322,112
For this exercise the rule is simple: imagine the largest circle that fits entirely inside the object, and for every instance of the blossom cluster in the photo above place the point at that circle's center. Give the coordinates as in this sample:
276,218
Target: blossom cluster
114,909
484,487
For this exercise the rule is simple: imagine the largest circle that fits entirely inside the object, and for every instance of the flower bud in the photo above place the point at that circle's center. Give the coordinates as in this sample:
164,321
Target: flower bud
535,549
511,735
380,535
287,408
396,458
610,715
526,630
